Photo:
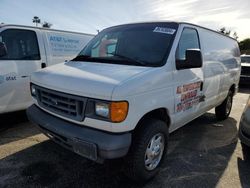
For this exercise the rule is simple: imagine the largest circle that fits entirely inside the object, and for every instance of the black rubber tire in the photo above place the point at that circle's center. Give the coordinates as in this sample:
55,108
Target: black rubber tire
221,110
245,152
134,162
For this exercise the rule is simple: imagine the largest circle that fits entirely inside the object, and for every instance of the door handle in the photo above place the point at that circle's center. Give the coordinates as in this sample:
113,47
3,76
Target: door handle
201,87
43,65
24,76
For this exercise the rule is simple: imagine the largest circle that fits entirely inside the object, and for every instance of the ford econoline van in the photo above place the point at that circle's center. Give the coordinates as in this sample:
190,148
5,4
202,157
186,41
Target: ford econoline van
24,50
131,86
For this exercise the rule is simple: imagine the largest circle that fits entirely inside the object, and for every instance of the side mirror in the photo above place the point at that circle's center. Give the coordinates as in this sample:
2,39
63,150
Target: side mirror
193,60
3,49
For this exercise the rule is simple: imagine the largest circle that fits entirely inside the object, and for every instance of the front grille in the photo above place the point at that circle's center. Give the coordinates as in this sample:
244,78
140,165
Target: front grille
63,104
245,70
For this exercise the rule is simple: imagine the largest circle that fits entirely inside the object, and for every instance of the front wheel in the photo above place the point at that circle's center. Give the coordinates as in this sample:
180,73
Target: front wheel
148,150
222,111
246,152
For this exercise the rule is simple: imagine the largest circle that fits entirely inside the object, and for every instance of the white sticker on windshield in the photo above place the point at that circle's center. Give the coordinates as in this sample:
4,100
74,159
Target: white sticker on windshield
164,30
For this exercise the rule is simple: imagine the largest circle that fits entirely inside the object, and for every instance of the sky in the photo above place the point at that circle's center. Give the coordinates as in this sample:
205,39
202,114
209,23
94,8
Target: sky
88,16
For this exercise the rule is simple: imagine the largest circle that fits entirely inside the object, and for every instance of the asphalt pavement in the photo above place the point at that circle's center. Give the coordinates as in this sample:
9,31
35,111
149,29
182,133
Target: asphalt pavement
203,153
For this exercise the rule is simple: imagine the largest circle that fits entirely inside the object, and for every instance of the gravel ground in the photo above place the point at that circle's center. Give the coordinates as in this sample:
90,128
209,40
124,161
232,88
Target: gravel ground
204,153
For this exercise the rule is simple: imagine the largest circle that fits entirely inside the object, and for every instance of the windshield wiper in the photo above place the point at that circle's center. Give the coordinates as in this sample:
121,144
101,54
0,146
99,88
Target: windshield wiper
81,58
128,59
104,59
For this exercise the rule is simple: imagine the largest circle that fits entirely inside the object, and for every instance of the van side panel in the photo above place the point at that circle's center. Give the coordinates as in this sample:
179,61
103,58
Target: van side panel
221,65
63,46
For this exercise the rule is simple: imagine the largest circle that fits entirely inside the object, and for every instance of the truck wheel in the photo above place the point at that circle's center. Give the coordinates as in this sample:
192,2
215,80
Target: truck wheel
147,151
246,152
222,111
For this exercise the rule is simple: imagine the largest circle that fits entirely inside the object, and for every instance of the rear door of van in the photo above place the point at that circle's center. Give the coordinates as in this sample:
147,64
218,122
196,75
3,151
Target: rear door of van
188,82
25,55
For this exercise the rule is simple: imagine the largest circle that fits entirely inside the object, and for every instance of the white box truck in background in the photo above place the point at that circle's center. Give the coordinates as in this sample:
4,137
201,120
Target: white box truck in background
29,49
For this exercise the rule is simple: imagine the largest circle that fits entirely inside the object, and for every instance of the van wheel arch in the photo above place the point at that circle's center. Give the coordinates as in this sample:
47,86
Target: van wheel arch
160,114
233,89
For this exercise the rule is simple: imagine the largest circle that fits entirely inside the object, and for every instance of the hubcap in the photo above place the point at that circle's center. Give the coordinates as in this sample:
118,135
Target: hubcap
229,104
154,151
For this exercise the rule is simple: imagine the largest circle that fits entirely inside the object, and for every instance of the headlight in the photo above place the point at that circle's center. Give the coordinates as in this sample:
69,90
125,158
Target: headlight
102,109
106,110
33,90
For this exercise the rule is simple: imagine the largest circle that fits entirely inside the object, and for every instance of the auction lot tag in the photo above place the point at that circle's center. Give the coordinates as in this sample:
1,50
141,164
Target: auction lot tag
164,30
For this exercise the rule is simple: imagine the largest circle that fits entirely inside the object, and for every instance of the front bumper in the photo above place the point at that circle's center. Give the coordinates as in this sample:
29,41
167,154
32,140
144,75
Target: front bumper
244,79
90,143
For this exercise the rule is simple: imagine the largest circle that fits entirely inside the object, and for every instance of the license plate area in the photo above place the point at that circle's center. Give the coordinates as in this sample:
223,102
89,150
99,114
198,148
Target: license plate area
85,149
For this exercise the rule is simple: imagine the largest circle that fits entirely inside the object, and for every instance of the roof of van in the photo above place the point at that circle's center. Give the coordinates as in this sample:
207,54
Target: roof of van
207,29
43,28
178,23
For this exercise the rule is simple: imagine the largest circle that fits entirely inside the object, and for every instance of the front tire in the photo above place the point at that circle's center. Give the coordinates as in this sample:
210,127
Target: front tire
246,152
147,151
223,110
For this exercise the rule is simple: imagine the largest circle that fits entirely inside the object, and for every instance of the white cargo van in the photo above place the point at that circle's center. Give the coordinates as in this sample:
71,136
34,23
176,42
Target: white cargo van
28,50
131,86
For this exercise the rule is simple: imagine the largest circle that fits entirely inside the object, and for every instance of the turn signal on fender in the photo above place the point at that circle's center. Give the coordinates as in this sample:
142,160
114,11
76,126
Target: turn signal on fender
119,111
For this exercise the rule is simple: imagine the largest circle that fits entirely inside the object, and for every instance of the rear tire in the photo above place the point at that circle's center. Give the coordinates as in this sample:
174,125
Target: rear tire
147,151
223,110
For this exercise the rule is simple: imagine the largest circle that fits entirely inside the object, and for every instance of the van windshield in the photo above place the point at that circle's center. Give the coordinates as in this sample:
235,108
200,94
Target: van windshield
146,44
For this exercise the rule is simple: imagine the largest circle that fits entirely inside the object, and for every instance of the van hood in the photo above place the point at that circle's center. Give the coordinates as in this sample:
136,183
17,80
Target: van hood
96,80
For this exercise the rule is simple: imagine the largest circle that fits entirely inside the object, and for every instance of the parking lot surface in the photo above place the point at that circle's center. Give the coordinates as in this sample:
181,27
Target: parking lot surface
204,153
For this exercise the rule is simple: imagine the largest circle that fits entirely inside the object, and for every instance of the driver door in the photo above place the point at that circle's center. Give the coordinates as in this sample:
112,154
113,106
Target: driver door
188,82
24,56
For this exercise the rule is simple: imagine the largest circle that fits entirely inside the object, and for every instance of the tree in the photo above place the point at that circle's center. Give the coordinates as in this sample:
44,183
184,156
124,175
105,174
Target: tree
36,20
224,31
46,24
235,35
245,46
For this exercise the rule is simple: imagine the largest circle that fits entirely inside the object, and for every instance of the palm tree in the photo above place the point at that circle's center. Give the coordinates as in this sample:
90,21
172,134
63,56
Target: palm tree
36,20
46,24
224,31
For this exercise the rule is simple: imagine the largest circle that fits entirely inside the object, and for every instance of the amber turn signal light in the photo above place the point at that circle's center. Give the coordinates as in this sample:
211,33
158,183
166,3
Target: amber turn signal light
118,111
